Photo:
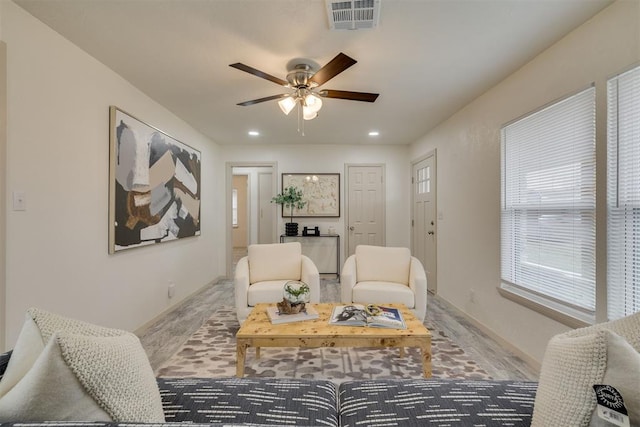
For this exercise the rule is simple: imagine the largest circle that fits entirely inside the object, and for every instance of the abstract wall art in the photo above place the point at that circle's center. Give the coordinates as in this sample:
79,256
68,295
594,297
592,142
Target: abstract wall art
321,191
154,185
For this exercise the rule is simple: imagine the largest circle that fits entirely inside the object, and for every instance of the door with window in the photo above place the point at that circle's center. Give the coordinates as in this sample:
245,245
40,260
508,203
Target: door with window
365,206
424,217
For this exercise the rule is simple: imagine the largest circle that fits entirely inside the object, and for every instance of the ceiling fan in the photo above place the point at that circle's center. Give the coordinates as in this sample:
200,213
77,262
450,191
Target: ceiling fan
304,81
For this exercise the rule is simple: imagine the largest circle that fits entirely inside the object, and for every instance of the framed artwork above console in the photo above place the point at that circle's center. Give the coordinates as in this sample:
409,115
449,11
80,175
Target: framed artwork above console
321,192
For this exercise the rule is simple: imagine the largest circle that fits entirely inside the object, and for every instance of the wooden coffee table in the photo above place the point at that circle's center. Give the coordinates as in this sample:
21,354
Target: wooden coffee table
257,331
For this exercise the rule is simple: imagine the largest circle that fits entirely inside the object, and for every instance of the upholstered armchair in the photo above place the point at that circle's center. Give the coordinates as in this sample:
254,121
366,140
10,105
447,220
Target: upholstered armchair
261,275
384,275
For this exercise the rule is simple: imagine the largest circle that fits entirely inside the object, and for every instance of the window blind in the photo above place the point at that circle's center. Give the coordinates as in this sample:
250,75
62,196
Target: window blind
623,194
548,203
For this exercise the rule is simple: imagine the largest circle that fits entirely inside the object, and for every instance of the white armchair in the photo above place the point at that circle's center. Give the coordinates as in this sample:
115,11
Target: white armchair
384,275
261,275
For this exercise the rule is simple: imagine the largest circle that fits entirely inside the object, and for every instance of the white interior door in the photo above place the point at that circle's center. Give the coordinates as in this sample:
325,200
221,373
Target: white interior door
265,209
365,206
424,217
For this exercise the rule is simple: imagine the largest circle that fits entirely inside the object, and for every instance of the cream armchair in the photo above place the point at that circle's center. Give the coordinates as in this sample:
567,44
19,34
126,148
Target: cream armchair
261,275
384,275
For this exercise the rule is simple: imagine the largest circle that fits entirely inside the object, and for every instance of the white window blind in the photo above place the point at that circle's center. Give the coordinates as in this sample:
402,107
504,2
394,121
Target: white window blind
548,204
623,195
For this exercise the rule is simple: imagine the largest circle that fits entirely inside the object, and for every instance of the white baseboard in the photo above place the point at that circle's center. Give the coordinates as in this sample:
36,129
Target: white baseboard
530,361
142,329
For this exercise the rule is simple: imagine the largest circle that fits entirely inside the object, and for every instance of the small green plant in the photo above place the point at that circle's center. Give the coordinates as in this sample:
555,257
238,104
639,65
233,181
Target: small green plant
301,288
291,198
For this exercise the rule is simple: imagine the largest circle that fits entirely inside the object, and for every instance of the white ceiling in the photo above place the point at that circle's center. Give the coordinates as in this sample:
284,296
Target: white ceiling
426,58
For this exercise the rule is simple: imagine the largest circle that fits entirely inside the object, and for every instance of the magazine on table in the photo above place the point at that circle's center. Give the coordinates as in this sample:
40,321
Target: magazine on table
309,313
373,315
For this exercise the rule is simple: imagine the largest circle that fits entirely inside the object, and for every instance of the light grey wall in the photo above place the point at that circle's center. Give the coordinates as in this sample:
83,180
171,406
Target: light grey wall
468,146
58,154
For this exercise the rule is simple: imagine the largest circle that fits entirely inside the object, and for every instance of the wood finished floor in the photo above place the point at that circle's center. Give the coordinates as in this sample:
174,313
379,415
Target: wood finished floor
164,337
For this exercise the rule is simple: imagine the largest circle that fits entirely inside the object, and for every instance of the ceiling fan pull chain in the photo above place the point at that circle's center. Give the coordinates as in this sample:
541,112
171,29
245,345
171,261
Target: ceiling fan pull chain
300,128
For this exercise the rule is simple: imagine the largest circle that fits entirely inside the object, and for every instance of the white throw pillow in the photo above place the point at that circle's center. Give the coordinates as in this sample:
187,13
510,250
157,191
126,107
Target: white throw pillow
38,327
576,361
80,372
622,373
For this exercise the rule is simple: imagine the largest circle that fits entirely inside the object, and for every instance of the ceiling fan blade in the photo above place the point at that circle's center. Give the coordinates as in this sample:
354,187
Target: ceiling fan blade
259,73
268,98
345,94
337,65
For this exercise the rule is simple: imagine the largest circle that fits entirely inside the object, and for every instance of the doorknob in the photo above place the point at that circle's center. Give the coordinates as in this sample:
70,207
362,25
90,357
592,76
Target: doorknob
430,233
352,228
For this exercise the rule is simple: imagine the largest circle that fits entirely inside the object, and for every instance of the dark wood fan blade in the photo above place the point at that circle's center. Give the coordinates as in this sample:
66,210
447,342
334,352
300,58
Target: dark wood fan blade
337,65
268,98
258,73
345,94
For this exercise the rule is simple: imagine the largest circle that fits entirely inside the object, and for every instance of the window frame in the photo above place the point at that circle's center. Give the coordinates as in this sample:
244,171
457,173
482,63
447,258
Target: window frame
562,311
617,215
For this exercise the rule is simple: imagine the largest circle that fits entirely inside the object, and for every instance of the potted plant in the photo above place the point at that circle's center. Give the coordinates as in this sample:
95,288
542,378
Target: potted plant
291,198
297,292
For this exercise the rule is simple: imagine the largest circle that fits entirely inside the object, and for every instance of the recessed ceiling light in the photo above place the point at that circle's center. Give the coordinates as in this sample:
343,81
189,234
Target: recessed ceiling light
374,133
254,133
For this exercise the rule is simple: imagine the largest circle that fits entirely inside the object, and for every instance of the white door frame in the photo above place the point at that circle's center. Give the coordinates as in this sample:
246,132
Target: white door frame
247,207
435,201
229,186
262,224
346,203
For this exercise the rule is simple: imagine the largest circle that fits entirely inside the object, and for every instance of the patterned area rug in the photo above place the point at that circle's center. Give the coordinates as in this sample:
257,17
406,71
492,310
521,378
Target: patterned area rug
211,352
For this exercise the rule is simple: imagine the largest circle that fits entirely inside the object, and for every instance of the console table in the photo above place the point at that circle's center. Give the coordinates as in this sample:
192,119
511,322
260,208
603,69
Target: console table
319,248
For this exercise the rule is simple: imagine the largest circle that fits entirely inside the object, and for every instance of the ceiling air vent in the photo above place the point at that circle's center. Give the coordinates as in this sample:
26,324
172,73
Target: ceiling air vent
353,14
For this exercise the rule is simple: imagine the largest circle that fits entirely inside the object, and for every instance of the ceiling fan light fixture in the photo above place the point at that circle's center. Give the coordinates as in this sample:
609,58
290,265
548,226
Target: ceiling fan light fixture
303,78
313,102
287,104
308,114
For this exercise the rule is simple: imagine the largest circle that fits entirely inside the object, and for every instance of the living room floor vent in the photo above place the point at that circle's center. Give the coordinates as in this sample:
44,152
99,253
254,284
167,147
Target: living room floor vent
353,14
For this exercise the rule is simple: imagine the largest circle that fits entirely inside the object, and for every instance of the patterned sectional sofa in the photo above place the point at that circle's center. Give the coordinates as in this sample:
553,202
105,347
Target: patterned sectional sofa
298,402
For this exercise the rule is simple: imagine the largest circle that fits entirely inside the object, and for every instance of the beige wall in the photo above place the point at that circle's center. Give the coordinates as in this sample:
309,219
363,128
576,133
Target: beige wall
239,233
58,152
469,169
